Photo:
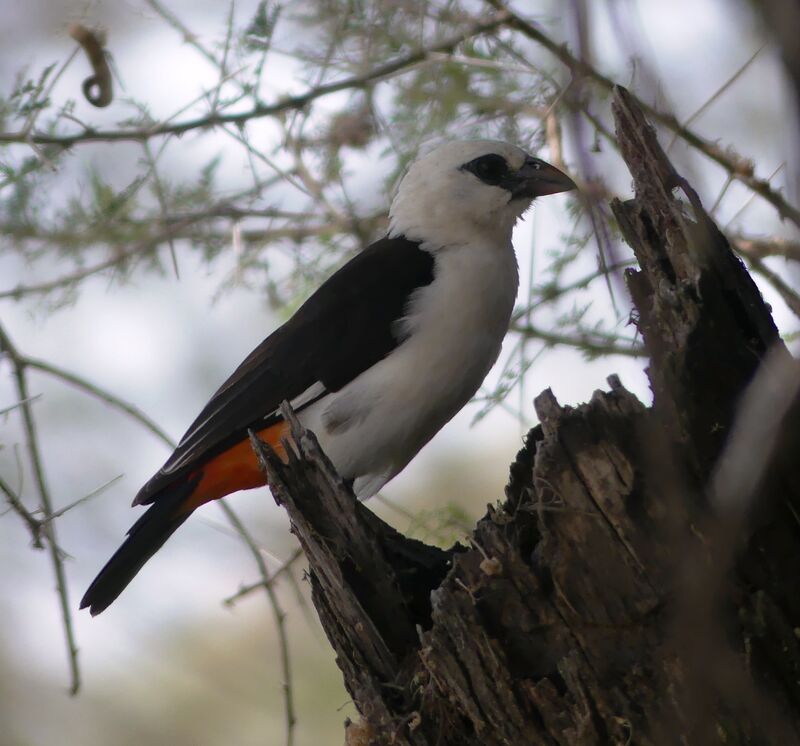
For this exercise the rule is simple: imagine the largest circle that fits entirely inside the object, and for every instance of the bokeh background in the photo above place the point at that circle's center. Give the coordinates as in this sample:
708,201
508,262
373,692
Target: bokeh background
150,267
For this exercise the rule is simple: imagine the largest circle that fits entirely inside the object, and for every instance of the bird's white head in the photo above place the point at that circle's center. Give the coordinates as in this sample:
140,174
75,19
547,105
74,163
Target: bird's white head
470,191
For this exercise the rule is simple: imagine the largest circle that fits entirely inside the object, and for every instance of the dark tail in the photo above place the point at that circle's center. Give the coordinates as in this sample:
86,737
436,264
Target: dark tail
145,538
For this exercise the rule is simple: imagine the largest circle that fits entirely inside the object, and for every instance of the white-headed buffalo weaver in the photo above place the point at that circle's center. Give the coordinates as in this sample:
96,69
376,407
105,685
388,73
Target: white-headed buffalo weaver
377,360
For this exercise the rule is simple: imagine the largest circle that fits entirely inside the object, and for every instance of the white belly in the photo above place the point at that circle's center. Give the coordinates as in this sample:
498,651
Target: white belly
375,425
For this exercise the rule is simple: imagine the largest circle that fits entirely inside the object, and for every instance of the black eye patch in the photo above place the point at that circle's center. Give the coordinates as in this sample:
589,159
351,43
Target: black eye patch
490,169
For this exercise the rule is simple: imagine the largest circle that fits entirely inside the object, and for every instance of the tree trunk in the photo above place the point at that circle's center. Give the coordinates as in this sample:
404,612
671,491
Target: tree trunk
638,585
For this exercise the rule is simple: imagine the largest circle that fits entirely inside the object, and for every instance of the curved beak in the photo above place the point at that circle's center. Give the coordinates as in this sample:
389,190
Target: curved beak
537,178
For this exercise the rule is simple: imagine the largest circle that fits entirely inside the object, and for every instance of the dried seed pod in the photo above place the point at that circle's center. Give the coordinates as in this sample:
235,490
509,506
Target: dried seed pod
97,88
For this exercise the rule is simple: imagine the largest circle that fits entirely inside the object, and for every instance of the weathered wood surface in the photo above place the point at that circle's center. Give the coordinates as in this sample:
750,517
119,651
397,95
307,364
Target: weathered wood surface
605,601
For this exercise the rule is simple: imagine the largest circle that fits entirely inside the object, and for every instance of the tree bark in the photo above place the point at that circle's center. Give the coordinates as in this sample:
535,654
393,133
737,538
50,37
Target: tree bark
638,584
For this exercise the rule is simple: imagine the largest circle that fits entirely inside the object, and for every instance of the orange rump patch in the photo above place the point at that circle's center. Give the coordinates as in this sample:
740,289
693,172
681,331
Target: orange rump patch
235,469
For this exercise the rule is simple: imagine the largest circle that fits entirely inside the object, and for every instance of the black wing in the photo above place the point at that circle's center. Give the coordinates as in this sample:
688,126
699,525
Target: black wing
345,327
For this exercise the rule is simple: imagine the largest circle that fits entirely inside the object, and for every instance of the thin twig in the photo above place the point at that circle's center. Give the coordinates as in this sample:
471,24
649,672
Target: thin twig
81,500
161,197
715,96
246,590
45,502
722,192
278,614
752,197
188,37
34,524
35,110
101,394
591,343
223,65
18,404
547,294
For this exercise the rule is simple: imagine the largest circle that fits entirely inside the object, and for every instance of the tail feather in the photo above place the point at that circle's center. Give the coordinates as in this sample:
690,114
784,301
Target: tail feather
145,538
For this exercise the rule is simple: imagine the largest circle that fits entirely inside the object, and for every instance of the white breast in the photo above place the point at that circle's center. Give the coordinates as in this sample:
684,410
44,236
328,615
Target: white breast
375,425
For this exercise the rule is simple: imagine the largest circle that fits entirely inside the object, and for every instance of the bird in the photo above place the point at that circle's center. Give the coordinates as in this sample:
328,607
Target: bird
377,360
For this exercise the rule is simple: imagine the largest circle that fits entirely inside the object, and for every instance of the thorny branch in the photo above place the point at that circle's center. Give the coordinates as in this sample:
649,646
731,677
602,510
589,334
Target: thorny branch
291,103
764,247
740,168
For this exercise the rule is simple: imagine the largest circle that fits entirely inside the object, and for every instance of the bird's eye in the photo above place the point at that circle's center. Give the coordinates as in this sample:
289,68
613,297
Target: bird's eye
491,169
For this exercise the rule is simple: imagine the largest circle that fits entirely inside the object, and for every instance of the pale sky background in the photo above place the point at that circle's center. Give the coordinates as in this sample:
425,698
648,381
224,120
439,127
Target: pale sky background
164,345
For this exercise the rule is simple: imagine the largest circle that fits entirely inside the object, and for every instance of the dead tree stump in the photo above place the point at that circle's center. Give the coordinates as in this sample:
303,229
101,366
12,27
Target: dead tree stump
612,598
